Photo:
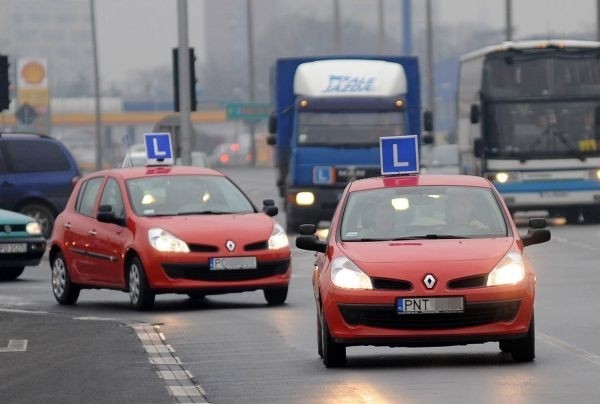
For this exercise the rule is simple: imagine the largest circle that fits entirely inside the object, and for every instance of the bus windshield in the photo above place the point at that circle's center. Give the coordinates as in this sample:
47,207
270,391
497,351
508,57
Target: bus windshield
349,129
542,129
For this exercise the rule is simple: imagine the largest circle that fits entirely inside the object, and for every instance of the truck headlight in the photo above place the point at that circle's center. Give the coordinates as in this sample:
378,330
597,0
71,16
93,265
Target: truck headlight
278,238
164,241
347,275
509,271
305,198
33,228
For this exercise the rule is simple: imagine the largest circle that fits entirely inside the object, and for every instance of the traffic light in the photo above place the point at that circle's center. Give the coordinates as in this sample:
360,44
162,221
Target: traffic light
193,100
4,83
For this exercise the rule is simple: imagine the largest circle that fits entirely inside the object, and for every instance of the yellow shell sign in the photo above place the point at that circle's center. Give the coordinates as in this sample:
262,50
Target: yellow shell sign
33,72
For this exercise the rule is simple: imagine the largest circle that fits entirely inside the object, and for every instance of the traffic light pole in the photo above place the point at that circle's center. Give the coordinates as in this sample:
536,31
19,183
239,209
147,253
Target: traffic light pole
185,126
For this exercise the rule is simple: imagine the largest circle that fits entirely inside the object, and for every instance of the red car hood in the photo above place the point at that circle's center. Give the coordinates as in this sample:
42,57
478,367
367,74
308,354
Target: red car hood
469,256
216,229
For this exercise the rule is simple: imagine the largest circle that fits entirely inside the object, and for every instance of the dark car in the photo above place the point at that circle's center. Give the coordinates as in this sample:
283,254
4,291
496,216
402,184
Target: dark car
21,244
37,175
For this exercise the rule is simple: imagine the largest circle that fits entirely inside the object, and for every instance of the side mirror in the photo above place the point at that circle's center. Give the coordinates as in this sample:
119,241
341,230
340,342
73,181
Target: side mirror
269,207
478,147
536,236
537,223
106,215
271,140
273,123
427,121
474,115
427,138
307,240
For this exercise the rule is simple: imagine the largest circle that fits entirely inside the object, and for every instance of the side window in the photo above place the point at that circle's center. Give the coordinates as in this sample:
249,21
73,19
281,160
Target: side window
87,196
112,196
28,156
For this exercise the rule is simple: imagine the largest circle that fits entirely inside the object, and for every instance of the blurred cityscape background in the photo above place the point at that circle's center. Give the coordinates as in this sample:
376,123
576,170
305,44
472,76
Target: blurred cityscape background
135,40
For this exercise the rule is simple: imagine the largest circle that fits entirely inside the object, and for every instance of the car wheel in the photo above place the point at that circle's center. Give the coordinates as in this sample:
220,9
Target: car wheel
319,337
10,273
65,291
276,296
196,296
42,214
505,345
523,349
334,354
140,294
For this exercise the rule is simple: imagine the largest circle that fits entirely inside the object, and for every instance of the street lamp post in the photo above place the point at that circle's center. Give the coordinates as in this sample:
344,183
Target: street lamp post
98,137
185,123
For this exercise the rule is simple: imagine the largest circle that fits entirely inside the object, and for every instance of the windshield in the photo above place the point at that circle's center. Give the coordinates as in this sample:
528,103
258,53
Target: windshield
347,129
427,212
186,194
542,129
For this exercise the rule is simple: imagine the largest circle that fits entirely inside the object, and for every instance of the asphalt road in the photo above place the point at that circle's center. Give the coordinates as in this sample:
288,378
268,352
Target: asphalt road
238,349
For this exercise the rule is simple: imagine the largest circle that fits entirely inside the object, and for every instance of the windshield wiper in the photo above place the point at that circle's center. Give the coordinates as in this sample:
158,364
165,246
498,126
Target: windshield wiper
204,212
429,236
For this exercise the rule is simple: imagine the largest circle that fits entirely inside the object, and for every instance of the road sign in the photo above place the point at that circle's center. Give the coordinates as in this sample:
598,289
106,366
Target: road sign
159,150
26,114
399,155
252,111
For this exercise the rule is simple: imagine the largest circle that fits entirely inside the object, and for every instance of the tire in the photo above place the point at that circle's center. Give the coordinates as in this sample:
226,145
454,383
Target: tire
140,294
10,273
523,349
196,296
572,216
65,292
506,345
334,354
276,296
42,214
319,337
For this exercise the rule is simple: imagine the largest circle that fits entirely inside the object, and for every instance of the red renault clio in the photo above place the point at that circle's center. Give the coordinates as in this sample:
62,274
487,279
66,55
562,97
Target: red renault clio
423,260
165,229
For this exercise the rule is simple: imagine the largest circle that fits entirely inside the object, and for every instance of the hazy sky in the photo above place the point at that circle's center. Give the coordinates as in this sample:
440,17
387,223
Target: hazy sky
135,34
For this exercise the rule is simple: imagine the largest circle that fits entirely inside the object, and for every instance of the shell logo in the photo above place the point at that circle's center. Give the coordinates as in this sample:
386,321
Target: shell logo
33,72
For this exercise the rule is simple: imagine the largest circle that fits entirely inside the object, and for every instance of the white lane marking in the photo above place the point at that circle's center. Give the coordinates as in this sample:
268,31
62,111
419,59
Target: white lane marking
555,342
564,240
15,345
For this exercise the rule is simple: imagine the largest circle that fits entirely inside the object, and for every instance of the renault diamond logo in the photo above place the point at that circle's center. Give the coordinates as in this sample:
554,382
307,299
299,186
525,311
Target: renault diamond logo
429,281
230,245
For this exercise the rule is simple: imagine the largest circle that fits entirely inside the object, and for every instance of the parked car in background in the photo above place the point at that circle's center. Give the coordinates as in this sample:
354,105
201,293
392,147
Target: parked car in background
21,244
443,159
230,154
37,175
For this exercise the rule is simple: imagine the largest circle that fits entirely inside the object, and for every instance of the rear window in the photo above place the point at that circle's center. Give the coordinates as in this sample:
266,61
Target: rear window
28,156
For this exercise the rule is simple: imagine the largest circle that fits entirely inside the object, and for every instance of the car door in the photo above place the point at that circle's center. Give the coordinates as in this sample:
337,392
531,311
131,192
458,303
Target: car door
109,240
77,231
8,198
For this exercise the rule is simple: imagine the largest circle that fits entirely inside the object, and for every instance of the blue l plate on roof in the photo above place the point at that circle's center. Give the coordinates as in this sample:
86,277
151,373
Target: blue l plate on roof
399,155
159,149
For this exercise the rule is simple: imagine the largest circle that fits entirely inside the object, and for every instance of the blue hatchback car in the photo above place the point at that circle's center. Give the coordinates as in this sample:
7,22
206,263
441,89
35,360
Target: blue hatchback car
37,175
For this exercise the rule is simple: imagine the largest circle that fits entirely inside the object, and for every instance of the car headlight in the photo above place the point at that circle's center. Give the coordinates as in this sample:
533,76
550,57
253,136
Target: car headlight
347,275
305,198
33,228
509,271
278,238
164,241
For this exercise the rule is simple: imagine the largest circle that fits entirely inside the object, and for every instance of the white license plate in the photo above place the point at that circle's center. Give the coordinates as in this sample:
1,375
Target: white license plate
420,305
13,248
554,194
217,264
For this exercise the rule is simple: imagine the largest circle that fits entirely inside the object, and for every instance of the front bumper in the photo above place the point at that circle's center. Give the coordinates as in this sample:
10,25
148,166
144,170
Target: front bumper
34,252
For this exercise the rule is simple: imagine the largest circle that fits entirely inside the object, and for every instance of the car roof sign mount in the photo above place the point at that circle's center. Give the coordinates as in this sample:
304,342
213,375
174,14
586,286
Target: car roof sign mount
159,149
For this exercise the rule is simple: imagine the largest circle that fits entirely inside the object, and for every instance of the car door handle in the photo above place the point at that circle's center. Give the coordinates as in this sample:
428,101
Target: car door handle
92,232
67,225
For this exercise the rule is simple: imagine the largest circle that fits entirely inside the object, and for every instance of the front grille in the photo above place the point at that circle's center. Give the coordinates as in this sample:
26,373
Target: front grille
385,316
261,245
203,248
202,272
478,281
390,284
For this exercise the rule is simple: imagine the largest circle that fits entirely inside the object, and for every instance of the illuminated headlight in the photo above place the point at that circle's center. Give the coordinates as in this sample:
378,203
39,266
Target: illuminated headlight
347,275
164,241
33,228
595,174
503,177
278,238
305,198
509,271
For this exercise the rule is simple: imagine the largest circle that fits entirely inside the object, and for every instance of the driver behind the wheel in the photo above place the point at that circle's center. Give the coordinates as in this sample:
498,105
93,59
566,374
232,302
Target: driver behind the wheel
460,213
